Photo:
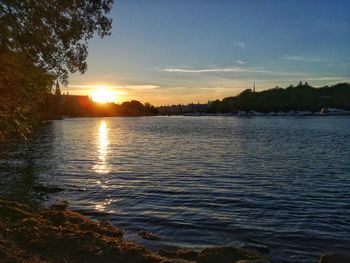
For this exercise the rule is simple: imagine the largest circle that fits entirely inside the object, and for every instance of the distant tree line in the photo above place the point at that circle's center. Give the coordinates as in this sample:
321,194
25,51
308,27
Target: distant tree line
300,97
58,106
181,109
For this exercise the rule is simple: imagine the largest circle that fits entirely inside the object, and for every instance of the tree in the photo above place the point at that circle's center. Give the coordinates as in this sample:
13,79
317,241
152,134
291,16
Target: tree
22,87
300,97
53,34
40,42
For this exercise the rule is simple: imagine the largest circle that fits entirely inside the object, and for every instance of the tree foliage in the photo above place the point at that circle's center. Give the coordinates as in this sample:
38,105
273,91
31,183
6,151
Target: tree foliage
83,106
22,87
53,34
300,97
42,41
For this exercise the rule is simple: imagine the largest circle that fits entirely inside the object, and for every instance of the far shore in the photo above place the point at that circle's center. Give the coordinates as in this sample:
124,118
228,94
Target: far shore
322,113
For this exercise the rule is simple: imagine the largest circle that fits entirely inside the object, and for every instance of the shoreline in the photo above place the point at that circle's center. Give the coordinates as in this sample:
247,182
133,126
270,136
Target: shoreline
58,235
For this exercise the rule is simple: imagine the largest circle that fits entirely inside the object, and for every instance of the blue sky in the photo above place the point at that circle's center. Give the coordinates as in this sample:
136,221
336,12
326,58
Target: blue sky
183,51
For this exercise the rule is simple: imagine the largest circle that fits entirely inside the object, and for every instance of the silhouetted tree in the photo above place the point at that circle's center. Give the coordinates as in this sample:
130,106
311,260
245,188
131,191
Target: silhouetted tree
53,34
41,41
300,97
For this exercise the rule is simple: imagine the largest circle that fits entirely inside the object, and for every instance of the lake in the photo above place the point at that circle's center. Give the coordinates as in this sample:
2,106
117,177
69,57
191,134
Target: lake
275,183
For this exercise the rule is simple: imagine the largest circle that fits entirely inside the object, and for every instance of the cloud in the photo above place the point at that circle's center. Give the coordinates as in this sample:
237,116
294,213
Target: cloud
123,90
327,78
240,44
213,70
259,70
301,58
241,62
145,87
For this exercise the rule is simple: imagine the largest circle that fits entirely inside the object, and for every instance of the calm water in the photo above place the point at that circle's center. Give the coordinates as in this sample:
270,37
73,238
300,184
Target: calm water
281,183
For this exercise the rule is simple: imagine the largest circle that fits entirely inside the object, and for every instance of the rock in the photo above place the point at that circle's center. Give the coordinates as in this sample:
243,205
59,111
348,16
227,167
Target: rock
13,211
176,260
107,229
335,258
60,205
47,189
251,261
148,235
260,248
228,255
179,253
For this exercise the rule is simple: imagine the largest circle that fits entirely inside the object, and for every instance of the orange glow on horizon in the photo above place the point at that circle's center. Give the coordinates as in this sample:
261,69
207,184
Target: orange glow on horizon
102,94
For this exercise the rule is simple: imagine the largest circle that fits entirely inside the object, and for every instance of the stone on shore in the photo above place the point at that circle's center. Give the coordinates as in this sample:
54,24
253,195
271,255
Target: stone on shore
180,253
177,260
229,254
335,258
148,235
251,261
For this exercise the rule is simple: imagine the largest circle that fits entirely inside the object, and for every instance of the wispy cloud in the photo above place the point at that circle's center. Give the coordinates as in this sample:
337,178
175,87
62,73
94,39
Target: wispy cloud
213,70
241,62
240,44
301,58
141,87
327,78
145,87
234,69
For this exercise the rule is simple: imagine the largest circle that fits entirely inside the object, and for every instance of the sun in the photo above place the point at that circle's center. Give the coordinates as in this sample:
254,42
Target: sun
103,95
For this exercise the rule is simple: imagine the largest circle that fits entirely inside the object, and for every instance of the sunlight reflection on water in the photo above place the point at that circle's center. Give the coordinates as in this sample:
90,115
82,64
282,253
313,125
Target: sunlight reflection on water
102,166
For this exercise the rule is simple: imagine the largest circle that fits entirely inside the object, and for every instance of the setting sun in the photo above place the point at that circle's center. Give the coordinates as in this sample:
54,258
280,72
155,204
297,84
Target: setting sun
103,95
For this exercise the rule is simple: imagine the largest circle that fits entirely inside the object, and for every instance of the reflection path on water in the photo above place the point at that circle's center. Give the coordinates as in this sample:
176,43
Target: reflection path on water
101,167
102,142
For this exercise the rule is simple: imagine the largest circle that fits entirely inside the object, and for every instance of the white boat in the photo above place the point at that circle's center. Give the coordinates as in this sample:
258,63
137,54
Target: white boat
333,112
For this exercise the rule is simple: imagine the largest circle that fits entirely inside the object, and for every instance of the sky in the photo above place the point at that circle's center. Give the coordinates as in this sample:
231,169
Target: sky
169,52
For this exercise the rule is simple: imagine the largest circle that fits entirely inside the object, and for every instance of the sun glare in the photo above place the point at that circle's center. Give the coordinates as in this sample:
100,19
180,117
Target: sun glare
103,95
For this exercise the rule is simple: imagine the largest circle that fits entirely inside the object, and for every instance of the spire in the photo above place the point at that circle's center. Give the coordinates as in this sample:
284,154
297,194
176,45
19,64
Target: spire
254,87
57,90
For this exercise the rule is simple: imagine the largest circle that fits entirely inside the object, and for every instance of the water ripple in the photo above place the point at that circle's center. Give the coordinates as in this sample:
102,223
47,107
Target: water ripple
282,182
